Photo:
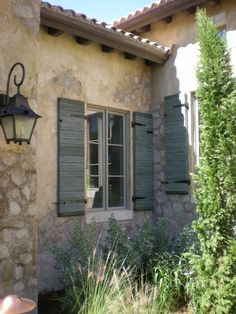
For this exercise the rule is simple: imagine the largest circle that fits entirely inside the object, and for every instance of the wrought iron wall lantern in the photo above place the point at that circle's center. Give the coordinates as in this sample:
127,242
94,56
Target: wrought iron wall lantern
17,119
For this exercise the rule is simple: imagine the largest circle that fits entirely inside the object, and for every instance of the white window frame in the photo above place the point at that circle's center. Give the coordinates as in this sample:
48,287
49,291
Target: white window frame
105,176
194,139
195,129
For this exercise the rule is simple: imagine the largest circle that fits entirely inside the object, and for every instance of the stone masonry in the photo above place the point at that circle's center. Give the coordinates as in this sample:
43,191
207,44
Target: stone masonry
19,21
18,225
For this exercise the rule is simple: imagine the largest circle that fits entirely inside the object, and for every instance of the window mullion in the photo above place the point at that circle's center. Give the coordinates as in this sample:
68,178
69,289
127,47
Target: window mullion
125,160
105,150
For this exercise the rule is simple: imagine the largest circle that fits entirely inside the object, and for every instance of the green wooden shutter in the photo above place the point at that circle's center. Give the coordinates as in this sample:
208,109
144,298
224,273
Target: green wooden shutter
71,194
176,147
143,161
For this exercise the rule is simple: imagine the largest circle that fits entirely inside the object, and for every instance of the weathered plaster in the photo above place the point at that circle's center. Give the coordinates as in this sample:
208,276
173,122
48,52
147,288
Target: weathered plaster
74,71
59,67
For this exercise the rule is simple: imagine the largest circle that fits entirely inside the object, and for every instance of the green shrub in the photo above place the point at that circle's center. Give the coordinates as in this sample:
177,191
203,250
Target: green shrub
170,280
148,266
212,285
138,250
172,270
73,259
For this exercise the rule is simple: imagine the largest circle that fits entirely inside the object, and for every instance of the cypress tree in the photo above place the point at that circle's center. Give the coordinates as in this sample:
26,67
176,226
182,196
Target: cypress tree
212,284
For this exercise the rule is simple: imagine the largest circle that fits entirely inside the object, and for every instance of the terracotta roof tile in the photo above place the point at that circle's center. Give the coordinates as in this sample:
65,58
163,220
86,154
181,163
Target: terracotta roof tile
154,8
137,12
105,26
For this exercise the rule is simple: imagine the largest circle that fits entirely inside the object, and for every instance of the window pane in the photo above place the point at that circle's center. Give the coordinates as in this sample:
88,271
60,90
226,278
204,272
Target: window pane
93,154
115,160
115,129
95,196
93,182
93,170
222,32
95,178
116,192
94,126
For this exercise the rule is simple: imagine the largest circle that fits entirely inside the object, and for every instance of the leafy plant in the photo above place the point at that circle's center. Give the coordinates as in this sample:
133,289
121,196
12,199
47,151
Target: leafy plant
170,279
139,249
212,286
172,270
118,275
73,259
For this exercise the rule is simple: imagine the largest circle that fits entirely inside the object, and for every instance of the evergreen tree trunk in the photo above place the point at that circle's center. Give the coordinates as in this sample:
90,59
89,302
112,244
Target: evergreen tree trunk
212,286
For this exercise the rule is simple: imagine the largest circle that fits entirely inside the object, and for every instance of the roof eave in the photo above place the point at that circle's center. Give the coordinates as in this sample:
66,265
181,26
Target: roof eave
89,30
162,11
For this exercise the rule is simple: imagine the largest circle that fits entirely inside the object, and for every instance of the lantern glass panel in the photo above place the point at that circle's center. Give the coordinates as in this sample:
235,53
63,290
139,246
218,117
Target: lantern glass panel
24,126
7,125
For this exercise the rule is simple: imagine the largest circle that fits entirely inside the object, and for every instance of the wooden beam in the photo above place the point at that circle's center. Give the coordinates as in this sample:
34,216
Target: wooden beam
107,48
83,41
144,29
167,19
100,35
130,56
54,31
217,1
150,63
191,10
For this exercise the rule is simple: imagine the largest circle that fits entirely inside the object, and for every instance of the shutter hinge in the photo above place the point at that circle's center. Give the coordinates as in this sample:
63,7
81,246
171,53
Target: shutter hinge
177,181
134,198
183,181
133,124
182,105
72,201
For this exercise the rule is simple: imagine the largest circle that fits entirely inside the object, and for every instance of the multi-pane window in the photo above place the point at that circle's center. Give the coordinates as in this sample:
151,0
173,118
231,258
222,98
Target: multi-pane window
106,159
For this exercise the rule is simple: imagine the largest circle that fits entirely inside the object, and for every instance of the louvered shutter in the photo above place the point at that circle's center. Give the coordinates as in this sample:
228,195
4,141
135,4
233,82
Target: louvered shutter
71,194
143,161
176,147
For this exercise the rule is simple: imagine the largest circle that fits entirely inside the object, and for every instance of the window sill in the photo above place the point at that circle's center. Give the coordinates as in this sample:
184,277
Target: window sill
103,216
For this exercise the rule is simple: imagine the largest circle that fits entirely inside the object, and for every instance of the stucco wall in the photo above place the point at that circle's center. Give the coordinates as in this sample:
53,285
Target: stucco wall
19,35
178,75
59,67
70,70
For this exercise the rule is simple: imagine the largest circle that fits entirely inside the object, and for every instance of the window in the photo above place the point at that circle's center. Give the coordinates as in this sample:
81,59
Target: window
97,173
106,159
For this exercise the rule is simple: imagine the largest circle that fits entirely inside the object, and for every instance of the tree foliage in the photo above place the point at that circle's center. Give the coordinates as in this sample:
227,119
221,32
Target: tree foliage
212,287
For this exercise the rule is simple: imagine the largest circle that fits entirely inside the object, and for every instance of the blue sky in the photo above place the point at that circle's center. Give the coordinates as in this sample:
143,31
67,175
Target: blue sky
103,10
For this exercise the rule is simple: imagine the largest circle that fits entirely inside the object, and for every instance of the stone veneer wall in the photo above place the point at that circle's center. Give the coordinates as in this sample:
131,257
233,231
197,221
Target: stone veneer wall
19,20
